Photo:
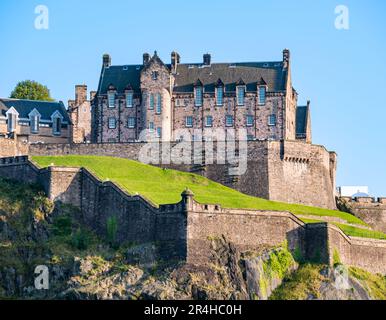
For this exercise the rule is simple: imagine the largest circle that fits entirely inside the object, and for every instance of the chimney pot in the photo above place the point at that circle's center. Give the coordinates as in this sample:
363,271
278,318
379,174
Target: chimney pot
206,59
106,60
146,58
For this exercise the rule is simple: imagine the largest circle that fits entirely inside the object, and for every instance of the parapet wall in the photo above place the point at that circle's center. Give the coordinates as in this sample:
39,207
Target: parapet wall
12,147
369,209
288,171
185,230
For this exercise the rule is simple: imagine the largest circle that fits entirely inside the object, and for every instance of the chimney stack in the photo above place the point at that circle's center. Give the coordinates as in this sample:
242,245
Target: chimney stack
146,58
80,94
106,60
175,60
206,59
286,58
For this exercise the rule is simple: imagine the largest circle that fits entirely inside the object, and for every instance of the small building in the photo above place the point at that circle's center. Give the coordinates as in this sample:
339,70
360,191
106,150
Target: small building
34,121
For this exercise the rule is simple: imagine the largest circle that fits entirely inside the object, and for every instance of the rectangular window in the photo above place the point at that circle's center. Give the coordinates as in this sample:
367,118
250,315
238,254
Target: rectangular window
177,102
151,103
229,121
219,96
272,120
189,121
209,121
112,122
198,97
34,124
151,126
111,98
159,104
240,95
129,100
57,125
262,95
11,122
250,121
159,132
131,122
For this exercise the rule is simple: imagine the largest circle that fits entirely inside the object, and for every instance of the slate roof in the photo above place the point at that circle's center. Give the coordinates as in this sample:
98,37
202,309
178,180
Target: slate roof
24,107
301,119
251,73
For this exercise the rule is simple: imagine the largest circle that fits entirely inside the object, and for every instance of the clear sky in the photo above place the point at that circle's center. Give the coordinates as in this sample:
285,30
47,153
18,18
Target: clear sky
342,72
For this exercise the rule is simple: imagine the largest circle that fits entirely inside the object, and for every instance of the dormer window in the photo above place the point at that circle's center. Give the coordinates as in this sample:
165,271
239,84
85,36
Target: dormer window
111,99
12,116
129,99
262,94
154,75
198,90
57,119
219,93
240,93
34,117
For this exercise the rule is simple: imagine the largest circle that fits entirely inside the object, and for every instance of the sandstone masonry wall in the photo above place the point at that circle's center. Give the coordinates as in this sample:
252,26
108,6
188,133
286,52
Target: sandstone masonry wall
184,230
288,171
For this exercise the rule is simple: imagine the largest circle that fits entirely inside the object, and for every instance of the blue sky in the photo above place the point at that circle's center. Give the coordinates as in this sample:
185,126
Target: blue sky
342,72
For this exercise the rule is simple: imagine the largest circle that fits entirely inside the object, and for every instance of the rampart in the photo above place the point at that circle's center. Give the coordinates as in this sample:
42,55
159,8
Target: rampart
288,171
369,209
185,230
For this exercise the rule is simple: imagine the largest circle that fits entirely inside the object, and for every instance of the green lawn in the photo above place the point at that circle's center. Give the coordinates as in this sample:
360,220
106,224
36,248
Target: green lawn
164,186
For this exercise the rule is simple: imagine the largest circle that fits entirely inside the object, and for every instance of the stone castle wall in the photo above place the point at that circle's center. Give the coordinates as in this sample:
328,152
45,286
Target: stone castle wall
289,171
185,230
370,210
12,147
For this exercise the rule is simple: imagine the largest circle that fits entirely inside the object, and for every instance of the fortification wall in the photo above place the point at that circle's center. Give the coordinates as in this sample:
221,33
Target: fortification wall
289,171
369,209
185,230
12,147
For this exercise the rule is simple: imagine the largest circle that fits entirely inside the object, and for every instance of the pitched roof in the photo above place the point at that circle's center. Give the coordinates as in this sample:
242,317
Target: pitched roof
187,74
301,119
230,73
24,107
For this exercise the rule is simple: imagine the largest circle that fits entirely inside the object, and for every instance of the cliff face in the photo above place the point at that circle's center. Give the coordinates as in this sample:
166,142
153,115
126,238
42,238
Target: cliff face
34,231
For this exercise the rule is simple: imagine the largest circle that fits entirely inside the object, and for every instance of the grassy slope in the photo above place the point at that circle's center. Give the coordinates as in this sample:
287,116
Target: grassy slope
165,186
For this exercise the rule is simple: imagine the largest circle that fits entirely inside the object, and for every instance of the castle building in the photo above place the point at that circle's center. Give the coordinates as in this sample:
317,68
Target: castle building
79,111
34,121
162,98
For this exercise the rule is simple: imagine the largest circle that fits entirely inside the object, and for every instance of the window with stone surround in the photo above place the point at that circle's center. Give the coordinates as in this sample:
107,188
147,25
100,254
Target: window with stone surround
189,121
131,122
34,123
229,121
240,93
159,104
262,95
151,126
272,120
111,100
112,122
198,96
219,95
159,132
209,121
250,120
151,102
129,100
154,75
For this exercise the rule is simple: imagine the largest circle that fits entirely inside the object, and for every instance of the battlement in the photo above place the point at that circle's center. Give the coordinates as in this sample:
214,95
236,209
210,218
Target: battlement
184,229
365,200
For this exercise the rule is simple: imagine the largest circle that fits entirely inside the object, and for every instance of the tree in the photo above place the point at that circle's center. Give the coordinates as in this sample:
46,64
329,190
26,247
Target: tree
31,90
